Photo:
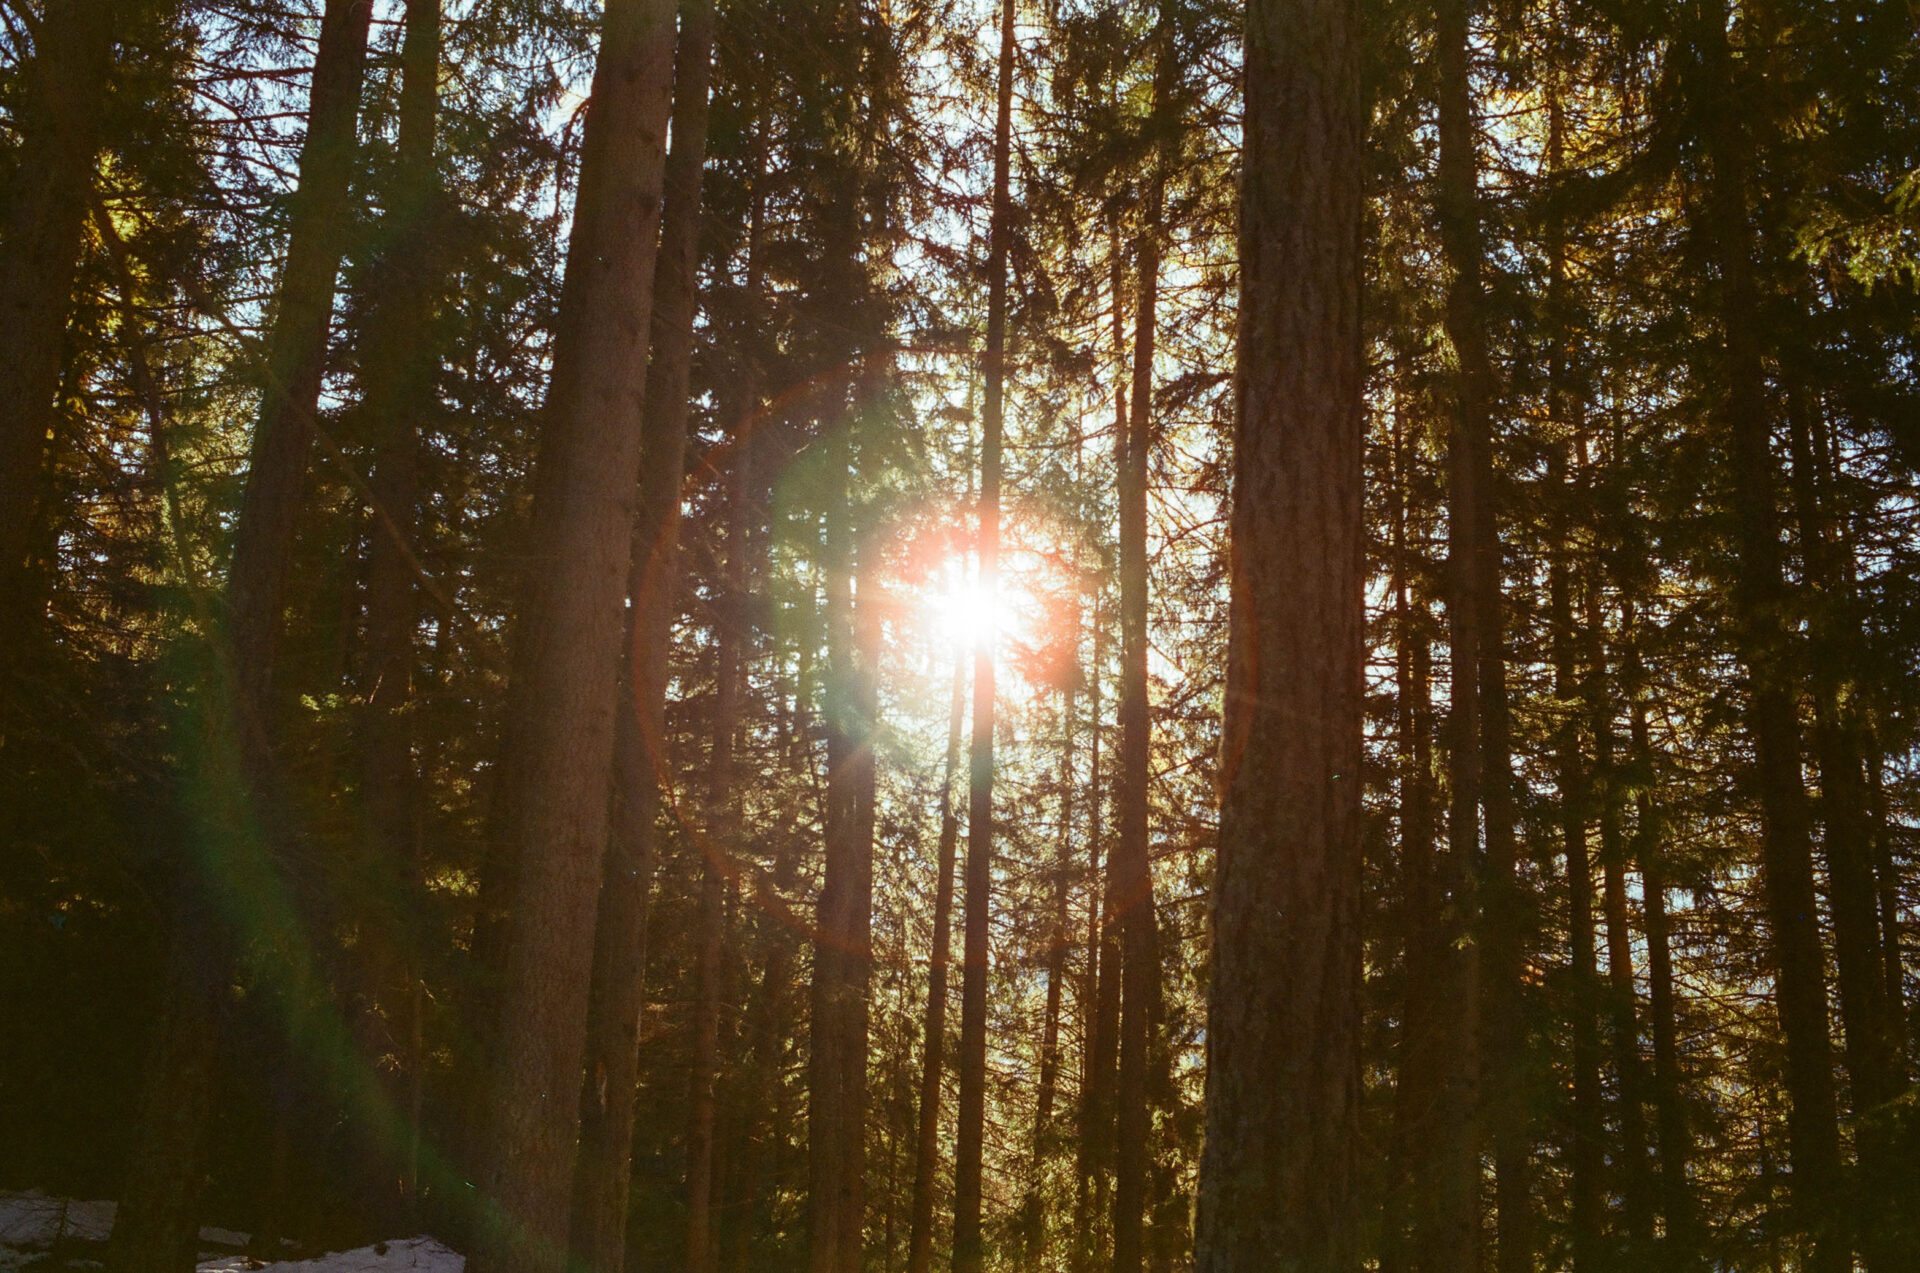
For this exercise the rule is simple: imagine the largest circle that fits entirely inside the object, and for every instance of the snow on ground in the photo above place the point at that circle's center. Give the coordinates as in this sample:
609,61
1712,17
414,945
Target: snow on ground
411,1255
33,1221
32,1224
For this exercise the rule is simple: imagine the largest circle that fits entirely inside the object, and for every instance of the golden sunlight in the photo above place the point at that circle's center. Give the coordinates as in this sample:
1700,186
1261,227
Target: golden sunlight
961,613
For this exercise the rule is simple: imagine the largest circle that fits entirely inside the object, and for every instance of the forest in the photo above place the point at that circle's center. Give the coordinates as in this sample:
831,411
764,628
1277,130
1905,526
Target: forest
868,636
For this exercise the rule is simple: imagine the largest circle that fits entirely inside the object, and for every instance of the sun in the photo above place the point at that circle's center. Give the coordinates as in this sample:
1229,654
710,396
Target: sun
962,614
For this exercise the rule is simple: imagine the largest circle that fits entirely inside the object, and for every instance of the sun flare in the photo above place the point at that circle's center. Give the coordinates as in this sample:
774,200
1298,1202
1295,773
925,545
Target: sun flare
962,613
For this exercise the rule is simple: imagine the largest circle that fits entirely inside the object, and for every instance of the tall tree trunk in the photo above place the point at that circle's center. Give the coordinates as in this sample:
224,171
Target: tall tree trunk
1759,595
926,1158
1419,1061
1283,1023
567,673
1635,1185
1846,813
1585,1130
57,113
1059,938
155,1221
1095,1152
398,366
970,1142
837,1078
1670,1116
1132,869
1478,572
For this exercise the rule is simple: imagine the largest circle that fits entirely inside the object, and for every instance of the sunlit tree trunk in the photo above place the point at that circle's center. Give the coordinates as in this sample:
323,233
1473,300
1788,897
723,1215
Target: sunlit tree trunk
603,1163
967,1244
1283,1025
567,673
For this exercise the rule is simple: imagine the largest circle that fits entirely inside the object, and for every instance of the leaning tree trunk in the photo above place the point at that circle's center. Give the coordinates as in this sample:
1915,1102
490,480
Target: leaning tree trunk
970,1142
57,114
1284,1009
155,1220
567,668
603,1164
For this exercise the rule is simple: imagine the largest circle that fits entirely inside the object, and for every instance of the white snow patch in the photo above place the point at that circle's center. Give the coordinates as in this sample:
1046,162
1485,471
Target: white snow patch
31,1223
417,1255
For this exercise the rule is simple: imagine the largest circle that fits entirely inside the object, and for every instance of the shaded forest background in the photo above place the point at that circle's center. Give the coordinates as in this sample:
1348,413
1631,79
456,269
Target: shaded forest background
907,787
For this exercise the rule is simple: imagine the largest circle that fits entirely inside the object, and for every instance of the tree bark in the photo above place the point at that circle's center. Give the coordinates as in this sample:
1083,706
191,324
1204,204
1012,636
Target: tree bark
603,1161
567,671
968,1252
1283,1027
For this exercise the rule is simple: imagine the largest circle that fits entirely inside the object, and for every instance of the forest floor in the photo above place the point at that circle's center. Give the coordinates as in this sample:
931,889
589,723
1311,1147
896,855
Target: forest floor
38,1232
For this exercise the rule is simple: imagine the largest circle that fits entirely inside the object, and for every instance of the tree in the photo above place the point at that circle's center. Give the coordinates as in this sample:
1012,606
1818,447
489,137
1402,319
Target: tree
558,768
1276,1176
968,1252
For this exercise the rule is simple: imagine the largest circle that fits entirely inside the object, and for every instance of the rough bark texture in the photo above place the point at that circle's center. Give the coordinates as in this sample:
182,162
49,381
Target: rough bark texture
604,1161
63,91
567,670
971,1139
1283,1032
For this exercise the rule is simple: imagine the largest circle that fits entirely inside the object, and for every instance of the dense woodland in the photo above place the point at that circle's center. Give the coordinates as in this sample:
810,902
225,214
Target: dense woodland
870,635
